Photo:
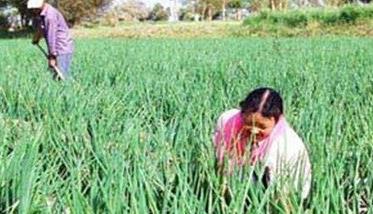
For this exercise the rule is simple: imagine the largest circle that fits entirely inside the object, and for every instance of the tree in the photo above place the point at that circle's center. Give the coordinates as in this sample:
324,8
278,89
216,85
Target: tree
305,3
284,4
132,10
159,13
73,10
278,4
77,10
237,5
3,3
341,2
223,7
207,8
21,6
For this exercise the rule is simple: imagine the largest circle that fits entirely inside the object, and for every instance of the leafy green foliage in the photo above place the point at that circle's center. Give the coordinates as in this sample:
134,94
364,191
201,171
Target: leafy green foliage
348,14
3,21
159,13
77,10
235,4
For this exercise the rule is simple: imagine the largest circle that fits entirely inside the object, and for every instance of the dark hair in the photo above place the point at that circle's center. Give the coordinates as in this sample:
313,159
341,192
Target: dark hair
266,101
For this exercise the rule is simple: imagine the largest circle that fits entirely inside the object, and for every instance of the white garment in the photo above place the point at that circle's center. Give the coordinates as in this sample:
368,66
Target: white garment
287,159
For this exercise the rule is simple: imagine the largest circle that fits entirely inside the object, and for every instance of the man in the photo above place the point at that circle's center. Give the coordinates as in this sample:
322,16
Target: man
52,26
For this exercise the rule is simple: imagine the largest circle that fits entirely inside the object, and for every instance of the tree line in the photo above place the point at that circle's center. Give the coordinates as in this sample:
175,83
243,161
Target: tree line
77,10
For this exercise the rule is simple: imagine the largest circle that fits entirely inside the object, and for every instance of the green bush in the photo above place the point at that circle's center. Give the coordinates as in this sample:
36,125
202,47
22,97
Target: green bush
350,14
295,19
292,19
299,18
328,17
368,12
3,21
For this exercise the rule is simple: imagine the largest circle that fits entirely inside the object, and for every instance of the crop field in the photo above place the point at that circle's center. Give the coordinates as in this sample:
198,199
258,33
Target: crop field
132,132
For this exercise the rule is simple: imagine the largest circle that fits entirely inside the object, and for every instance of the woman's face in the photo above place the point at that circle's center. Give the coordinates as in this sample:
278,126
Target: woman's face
257,126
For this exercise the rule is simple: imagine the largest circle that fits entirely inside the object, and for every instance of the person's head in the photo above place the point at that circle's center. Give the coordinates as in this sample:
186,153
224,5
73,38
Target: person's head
35,6
261,110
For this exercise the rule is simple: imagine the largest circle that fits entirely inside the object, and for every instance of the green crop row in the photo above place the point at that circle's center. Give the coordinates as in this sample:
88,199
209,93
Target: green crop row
132,133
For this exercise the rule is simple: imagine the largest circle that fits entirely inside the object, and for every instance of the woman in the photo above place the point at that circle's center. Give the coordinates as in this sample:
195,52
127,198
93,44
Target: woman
258,134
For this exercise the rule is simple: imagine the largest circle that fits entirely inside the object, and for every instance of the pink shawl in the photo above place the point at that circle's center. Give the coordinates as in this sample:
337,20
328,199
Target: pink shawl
230,138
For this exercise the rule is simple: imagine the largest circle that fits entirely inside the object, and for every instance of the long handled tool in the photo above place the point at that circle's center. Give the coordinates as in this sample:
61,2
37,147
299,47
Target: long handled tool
55,68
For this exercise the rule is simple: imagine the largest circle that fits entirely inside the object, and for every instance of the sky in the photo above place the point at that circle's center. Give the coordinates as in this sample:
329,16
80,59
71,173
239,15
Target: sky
151,3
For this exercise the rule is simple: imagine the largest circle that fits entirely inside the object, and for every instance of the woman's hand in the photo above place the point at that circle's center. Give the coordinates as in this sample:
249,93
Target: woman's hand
52,62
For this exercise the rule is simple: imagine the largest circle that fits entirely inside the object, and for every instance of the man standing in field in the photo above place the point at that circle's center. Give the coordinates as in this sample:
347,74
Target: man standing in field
52,26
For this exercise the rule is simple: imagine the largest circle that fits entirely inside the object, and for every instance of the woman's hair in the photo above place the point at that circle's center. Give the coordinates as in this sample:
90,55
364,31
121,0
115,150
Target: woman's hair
266,101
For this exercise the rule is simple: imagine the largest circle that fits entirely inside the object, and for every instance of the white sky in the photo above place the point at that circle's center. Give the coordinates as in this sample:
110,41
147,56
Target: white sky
151,3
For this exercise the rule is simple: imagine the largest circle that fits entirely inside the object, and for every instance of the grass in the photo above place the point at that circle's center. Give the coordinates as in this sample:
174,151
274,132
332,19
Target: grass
159,30
133,133
218,29
207,30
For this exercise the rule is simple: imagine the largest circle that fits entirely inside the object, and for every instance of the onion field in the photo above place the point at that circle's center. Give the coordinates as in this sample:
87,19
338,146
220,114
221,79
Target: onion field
132,132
